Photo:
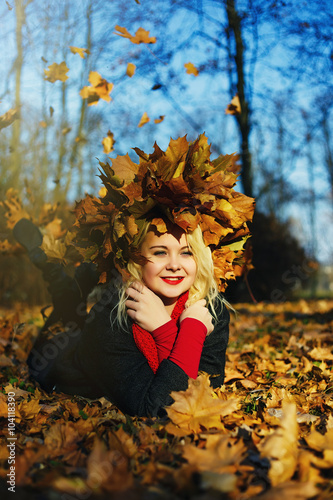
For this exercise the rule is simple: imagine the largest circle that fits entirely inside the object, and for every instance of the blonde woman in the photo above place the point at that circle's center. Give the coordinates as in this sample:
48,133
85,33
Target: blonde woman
173,227
140,343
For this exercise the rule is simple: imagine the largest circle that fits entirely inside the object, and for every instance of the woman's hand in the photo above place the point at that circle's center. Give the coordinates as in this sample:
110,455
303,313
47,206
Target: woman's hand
145,307
199,311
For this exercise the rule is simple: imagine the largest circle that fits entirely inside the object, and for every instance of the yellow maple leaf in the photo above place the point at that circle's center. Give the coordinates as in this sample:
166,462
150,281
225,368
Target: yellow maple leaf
196,408
141,35
56,72
108,143
99,89
130,69
14,209
191,69
144,119
281,447
82,52
54,249
234,108
8,118
160,119
222,454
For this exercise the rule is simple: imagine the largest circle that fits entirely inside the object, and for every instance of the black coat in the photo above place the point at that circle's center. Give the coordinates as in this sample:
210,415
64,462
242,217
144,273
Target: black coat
101,359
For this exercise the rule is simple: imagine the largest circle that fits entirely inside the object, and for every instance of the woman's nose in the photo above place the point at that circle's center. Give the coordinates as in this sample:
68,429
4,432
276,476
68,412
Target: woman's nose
173,264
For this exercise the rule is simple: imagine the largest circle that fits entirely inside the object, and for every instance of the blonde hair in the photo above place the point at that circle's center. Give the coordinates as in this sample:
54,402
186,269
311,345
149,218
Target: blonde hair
204,286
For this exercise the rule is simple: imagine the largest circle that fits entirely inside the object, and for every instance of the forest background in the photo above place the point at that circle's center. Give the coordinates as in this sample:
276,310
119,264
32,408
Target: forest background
179,74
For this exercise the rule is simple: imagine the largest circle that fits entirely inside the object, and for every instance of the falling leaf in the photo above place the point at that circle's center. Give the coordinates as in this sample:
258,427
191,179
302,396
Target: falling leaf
191,69
130,69
99,89
144,119
141,35
42,124
108,143
160,119
56,72
9,6
8,118
51,111
234,108
82,52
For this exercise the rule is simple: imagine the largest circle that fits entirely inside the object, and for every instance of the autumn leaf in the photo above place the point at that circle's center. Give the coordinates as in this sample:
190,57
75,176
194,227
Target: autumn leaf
144,119
14,211
191,69
108,143
221,454
234,108
160,119
8,118
82,52
56,72
280,447
130,70
99,89
55,249
141,35
195,408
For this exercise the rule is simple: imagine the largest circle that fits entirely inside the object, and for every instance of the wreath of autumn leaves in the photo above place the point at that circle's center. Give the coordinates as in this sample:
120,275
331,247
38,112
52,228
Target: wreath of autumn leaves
185,187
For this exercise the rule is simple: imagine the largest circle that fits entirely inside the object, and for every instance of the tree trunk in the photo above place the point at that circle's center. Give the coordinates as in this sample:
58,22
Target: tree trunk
15,145
244,118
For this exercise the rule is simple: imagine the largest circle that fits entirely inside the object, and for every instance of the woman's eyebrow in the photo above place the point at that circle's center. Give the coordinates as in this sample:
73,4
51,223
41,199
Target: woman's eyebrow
164,247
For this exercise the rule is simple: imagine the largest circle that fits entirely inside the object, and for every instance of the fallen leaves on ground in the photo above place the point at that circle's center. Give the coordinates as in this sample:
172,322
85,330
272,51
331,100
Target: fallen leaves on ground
266,434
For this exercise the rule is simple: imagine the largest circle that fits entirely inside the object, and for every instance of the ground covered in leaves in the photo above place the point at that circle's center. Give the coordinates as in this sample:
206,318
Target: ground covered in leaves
266,434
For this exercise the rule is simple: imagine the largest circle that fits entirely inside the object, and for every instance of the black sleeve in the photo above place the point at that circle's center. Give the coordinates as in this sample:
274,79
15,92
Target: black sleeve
110,358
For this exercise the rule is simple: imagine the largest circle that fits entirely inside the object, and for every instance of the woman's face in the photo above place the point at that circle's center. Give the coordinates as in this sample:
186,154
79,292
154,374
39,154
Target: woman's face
171,268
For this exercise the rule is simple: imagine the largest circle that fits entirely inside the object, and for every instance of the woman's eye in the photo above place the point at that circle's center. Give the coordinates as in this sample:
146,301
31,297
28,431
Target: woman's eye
188,252
159,252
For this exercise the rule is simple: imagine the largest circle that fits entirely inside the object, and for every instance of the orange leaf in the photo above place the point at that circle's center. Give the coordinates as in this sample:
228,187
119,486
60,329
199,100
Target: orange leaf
191,69
234,108
160,119
82,52
130,69
144,119
108,143
99,89
56,72
141,36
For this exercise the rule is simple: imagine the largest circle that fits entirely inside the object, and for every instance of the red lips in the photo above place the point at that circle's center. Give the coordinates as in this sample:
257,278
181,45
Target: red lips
173,281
